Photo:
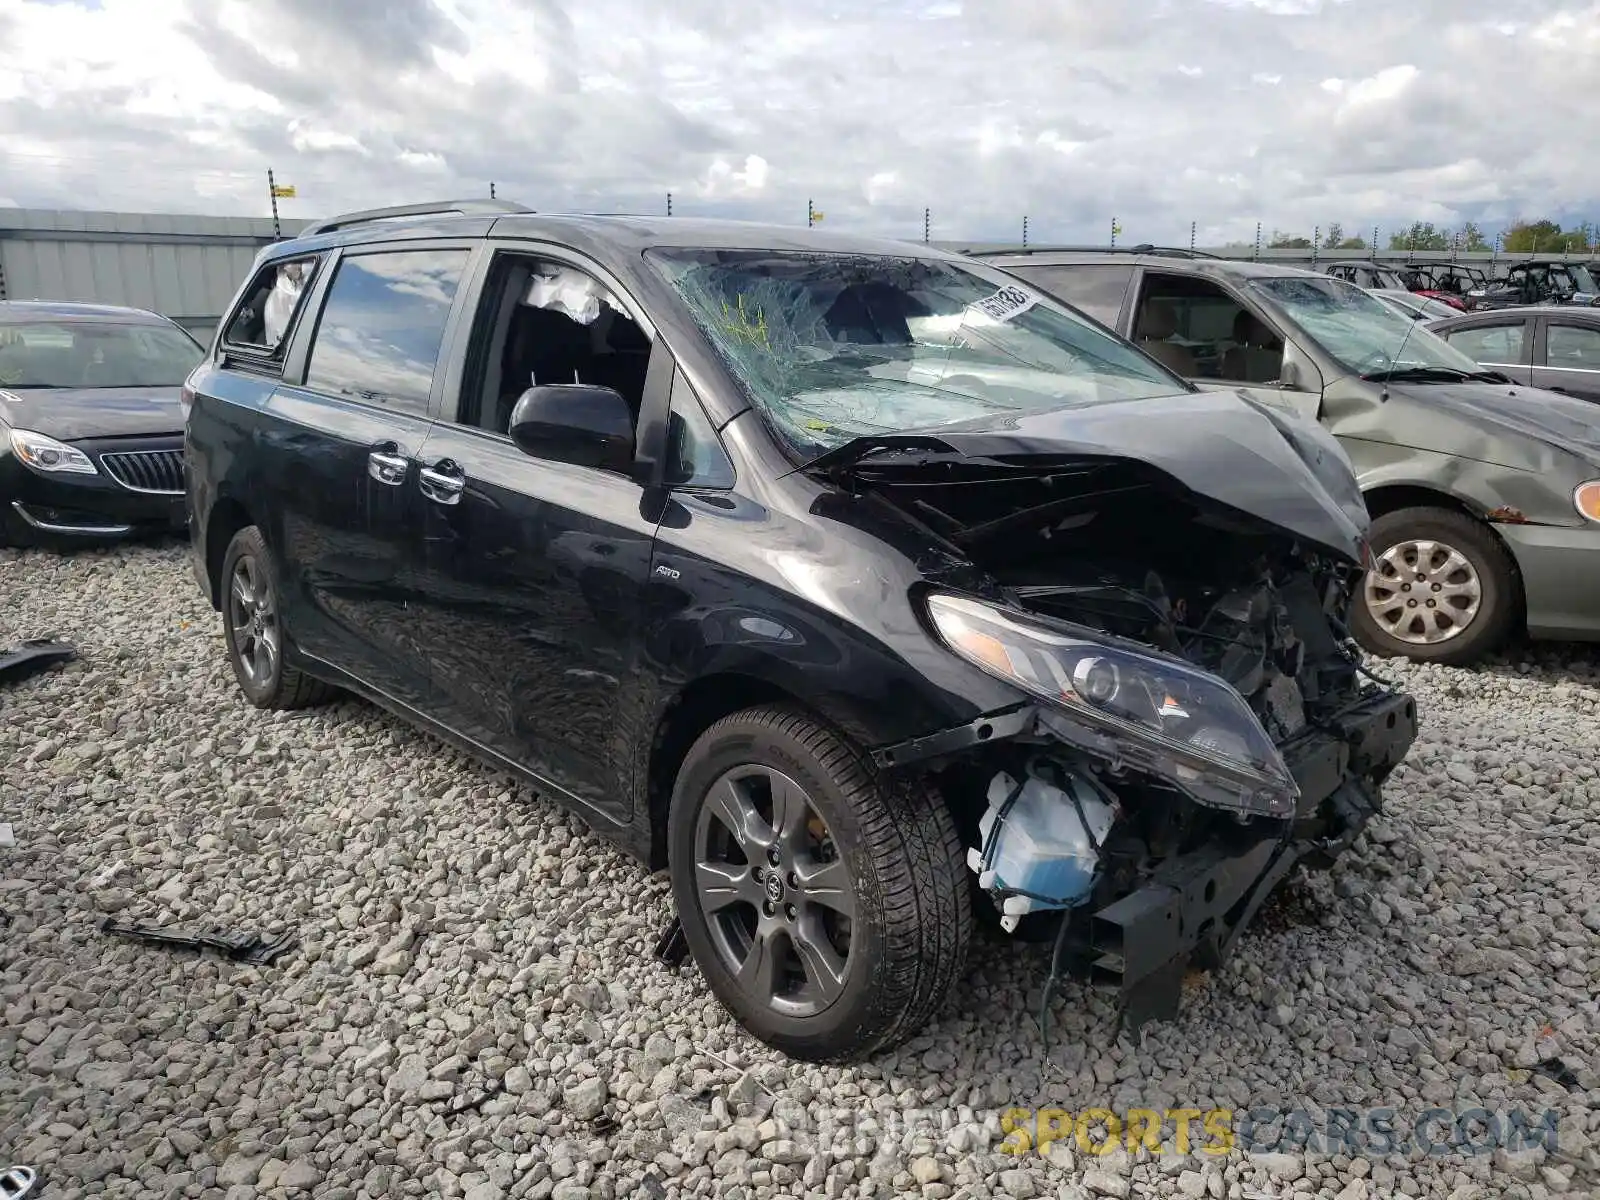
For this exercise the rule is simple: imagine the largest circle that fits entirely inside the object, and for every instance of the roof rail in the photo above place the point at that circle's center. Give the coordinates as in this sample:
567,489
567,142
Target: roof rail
425,209
1141,248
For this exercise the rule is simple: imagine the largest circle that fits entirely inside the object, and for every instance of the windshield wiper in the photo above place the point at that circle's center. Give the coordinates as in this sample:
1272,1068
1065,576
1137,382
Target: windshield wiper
858,449
1433,375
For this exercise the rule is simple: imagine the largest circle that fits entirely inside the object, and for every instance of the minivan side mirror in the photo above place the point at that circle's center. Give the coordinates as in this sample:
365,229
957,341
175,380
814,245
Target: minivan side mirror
578,423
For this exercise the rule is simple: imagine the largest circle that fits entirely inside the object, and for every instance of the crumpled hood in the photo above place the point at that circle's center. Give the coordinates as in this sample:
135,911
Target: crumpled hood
1276,467
1564,422
69,414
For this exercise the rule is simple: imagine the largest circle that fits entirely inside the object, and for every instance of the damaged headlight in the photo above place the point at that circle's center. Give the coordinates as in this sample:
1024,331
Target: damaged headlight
1138,709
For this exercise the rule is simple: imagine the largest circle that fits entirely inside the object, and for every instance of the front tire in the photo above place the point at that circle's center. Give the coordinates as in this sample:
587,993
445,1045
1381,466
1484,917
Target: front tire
826,905
252,625
1443,590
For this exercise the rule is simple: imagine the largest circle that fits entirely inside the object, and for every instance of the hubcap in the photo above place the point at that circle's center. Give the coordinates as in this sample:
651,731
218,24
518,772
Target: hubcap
1423,592
254,620
777,898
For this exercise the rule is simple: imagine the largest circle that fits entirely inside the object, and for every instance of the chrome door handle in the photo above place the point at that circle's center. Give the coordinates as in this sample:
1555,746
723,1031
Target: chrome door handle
440,487
387,468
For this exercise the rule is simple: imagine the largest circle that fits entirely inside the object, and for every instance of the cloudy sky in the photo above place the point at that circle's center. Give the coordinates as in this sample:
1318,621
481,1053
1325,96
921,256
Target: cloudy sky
1156,112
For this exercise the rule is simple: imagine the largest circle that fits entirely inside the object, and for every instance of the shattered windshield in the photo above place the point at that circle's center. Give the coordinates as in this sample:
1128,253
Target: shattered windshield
834,347
1362,332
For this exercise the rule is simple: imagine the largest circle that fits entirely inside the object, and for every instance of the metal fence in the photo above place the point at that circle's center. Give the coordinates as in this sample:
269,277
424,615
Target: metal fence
184,267
188,267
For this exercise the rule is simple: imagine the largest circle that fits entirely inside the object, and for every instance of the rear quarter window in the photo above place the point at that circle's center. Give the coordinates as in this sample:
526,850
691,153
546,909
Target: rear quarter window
259,328
1095,289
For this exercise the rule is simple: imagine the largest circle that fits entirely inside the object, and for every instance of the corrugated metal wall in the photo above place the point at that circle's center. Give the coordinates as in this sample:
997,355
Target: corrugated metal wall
186,268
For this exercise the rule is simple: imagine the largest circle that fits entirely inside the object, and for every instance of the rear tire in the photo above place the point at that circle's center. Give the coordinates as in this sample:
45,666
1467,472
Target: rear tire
861,908
252,625
1440,575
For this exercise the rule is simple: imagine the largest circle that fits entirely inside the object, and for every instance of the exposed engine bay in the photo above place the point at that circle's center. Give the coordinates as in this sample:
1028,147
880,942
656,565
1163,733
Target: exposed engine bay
1141,813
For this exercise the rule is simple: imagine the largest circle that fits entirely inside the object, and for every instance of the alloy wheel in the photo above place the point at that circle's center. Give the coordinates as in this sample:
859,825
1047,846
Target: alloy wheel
1423,592
253,618
777,898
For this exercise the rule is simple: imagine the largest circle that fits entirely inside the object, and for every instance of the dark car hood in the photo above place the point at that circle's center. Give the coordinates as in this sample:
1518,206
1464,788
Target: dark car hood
1278,468
70,414
1565,422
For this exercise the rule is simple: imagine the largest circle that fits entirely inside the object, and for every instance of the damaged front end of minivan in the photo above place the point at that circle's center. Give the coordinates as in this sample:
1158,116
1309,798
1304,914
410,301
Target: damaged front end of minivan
1193,717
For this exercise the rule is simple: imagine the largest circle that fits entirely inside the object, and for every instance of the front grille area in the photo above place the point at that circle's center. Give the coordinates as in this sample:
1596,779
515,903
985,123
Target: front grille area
146,470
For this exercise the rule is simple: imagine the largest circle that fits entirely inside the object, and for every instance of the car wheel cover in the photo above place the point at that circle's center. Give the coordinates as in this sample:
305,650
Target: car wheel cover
253,618
774,891
1423,592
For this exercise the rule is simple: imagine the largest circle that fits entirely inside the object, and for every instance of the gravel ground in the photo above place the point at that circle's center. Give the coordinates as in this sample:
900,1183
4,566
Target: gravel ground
474,1009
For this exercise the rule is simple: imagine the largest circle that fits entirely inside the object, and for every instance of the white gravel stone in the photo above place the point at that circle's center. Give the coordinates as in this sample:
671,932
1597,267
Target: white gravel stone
473,997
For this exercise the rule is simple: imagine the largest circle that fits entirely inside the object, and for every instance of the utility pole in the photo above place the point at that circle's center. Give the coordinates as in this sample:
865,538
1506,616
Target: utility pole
811,214
669,204
927,224
1374,243
1316,244
1194,227
272,190
491,189
1258,240
1024,231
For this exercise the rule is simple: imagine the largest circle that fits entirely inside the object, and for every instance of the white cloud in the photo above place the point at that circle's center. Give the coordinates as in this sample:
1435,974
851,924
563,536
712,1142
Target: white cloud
1383,87
881,187
982,110
302,136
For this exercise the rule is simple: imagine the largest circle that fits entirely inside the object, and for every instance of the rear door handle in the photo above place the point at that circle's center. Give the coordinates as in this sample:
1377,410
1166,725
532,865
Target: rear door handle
386,466
443,482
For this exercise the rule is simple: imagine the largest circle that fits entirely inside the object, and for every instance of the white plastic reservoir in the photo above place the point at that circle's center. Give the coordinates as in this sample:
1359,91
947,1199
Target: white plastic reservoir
1045,844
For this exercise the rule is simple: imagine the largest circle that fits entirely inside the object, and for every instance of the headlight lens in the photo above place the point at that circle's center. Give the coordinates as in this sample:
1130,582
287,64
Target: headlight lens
1586,498
1141,709
46,454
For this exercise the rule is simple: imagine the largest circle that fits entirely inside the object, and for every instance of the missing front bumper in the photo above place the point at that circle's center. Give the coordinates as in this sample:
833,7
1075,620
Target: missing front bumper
1192,909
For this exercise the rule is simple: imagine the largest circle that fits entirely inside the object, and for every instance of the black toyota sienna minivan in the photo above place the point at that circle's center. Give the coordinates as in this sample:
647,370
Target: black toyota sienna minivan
863,587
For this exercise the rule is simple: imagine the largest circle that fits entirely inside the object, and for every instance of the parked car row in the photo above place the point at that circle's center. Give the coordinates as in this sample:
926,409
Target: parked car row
1468,288
1484,496
867,588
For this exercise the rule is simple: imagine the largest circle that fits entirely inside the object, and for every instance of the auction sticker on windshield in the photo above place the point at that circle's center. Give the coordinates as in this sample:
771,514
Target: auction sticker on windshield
1008,302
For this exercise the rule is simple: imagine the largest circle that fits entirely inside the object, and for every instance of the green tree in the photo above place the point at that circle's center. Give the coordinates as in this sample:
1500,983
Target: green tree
1285,241
1525,236
1579,239
1352,243
1472,238
1333,237
1421,236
